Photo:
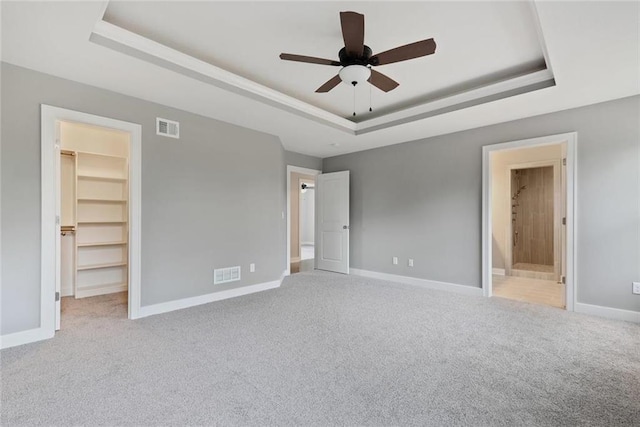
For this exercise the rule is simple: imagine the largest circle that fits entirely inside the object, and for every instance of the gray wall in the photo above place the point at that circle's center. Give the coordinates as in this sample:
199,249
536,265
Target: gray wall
423,200
302,160
214,198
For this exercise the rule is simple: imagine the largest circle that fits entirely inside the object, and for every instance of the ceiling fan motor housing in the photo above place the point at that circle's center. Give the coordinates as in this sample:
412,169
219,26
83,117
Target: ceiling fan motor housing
346,60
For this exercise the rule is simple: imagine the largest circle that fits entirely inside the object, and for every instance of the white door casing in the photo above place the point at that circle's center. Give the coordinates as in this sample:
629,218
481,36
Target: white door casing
57,166
332,222
569,264
50,205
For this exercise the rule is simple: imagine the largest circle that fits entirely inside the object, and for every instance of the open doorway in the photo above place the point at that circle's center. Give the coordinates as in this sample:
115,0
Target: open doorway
306,225
94,217
91,214
301,240
528,206
302,216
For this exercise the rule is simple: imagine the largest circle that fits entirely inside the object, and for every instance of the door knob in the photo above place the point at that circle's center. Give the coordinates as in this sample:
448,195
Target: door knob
345,227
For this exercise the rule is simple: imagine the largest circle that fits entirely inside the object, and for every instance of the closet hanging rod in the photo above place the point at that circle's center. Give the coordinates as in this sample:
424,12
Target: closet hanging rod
307,187
67,229
67,153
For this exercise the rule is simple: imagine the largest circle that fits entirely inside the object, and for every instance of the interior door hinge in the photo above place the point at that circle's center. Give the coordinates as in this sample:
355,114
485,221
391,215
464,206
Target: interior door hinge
57,219
563,279
57,296
564,220
564,162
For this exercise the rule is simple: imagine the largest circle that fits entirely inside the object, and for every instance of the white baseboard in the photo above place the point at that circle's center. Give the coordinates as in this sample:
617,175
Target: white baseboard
307,244
429,284
608,312
498,271
25,337
166,307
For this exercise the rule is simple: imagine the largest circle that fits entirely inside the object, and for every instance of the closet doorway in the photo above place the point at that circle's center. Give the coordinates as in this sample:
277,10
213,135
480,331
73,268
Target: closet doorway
91,243
94,207
301,226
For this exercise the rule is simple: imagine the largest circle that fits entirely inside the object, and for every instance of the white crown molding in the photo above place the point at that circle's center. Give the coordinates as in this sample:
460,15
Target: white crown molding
130,43
135,45
464,99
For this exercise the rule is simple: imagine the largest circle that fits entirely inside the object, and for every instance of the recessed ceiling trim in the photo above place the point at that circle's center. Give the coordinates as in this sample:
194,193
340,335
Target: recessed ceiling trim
135,45
541,40
462,105
487,93
129,43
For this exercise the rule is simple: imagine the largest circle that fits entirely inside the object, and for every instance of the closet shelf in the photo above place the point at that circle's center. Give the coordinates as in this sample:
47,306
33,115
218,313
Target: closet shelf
89,245
97,266
100,222
111,156
101,178
87,199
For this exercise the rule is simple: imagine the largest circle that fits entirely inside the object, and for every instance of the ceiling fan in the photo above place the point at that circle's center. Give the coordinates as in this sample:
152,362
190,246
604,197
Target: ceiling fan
356,58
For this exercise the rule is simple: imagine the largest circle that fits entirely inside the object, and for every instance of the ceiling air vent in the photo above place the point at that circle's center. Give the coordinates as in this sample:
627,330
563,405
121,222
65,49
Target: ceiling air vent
168,128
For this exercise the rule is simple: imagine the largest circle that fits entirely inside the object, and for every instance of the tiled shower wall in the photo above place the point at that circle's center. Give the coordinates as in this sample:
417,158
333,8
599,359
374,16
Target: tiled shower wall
533,215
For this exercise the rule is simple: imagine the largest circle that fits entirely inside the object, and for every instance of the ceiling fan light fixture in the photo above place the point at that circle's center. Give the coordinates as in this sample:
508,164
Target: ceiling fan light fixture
355,74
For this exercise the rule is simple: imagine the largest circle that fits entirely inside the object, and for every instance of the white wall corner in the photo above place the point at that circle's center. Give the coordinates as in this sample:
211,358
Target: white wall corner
424,283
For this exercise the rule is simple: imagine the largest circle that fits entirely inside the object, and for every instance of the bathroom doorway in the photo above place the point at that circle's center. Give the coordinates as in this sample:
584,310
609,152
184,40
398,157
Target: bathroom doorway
528,223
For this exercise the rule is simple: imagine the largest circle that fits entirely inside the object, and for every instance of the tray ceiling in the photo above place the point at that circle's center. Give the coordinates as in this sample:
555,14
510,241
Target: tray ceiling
591,50
479,43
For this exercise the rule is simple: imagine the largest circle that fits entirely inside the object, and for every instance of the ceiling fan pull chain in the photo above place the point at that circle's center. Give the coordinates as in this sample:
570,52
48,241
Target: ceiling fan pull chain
370,109
354,99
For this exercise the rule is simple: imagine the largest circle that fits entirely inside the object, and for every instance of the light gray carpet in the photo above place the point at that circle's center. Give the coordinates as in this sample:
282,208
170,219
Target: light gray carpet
328,349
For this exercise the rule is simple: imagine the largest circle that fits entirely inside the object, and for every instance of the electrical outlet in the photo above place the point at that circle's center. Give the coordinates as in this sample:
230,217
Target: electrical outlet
395,260
410,263
252,268
636,288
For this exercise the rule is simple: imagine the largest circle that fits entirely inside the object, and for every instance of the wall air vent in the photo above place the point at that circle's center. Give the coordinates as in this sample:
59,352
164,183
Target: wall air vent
168,128
224,275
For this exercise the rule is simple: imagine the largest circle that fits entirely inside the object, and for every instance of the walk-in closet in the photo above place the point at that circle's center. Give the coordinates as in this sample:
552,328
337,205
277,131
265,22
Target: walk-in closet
94,207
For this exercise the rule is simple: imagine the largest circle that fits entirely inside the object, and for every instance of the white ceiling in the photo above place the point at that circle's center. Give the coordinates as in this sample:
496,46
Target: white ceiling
593,51
476,41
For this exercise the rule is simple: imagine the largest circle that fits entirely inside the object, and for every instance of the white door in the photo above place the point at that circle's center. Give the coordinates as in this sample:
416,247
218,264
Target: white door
332,222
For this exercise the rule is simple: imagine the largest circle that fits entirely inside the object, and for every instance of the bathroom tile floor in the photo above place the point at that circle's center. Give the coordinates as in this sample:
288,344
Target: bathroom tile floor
547,292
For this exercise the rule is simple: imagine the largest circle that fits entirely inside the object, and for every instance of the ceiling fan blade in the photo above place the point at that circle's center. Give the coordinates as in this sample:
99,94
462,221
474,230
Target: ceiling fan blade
309,59
335,81
353,33
382,82
402,53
